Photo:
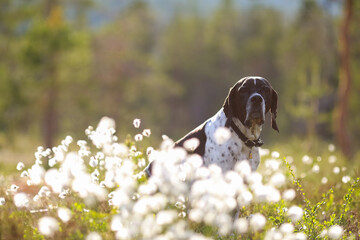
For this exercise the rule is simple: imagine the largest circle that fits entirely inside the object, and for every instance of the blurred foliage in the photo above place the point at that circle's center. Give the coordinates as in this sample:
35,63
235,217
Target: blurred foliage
171,72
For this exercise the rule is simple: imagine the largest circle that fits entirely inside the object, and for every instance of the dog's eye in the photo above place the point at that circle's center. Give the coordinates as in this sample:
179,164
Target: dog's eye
265,89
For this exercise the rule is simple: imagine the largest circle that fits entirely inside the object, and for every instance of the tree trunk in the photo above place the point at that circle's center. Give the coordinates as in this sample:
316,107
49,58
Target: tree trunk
51,75
342,136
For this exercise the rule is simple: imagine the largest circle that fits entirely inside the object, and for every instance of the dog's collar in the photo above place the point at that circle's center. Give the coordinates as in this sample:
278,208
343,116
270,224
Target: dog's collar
250,143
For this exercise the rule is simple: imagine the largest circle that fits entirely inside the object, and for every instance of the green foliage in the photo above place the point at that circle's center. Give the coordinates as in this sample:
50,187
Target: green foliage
139,65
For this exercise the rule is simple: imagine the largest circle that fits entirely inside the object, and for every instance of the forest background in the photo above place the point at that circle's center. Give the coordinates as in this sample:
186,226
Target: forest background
66,63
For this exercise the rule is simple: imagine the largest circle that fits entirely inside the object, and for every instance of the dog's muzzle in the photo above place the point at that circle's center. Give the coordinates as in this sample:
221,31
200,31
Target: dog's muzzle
255,110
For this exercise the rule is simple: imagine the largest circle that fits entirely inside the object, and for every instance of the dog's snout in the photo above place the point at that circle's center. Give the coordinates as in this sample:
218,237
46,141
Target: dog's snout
256,99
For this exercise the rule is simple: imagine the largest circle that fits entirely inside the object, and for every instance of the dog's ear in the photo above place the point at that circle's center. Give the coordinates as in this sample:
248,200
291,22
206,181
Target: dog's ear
229,102
273,109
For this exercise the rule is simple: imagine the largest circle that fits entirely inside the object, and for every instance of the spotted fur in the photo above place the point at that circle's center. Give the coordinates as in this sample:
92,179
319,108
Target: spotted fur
246,105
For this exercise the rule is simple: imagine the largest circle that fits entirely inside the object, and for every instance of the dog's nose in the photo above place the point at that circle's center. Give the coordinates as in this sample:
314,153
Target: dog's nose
256,99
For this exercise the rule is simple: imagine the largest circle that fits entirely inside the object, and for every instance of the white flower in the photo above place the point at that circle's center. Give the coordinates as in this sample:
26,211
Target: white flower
24,174
336,170
278,180
289,195
324,180
14,188
331,147
44,191
191,144
48,226
21,200
272,164
332,159
295,213
146,132
346,179
335,232
243,168
20,166
245,198
307,160
64,214
36,174
138,137
275,154
273,234
264,152
241,225
165,217
221,135
257,222
287,228
136,123
93,236
299,236
196,215
323,233
316,168
2,201
93,162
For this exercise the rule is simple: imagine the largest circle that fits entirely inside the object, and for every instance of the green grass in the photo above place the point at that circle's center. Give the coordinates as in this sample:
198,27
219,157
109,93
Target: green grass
324,204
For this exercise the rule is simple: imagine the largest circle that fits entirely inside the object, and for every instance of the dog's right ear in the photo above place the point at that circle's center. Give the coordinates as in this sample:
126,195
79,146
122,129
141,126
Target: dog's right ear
273,109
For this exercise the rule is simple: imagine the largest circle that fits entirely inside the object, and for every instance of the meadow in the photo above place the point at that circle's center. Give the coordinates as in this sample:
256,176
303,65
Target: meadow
94,188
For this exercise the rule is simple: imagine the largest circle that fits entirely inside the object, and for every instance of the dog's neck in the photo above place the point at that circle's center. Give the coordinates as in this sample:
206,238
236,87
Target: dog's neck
251,133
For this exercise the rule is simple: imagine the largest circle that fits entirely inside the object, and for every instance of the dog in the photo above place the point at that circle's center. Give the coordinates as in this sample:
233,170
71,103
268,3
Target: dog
243,115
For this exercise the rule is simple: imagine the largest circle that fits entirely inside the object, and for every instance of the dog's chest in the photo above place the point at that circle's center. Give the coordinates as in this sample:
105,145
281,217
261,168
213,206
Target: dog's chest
226,155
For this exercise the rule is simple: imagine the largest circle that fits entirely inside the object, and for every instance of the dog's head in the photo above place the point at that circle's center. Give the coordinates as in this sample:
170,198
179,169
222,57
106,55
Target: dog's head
250,99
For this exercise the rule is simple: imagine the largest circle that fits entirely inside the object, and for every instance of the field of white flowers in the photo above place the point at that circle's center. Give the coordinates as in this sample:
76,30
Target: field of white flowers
96,189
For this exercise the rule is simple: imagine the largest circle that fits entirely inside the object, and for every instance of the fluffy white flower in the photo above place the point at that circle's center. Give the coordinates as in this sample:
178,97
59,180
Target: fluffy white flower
14,188
331,147
24,174
315,168
165,217
346,179
335,232
324,180
221,135
307,160
136,123
241,225
138,137
36,174
272,164
48,226
295,213
278,180
298,236
21,200
146,132
273,234
287,228
332,159
2,201
257,222
64,214
191,144
275,154
20,166
289,195
336,170
243,168
93,236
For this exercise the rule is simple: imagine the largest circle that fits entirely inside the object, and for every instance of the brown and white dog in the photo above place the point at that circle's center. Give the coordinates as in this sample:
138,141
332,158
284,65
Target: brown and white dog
243,113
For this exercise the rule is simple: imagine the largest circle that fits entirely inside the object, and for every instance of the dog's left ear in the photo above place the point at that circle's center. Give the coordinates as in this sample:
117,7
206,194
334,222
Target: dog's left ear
273,109
228,108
